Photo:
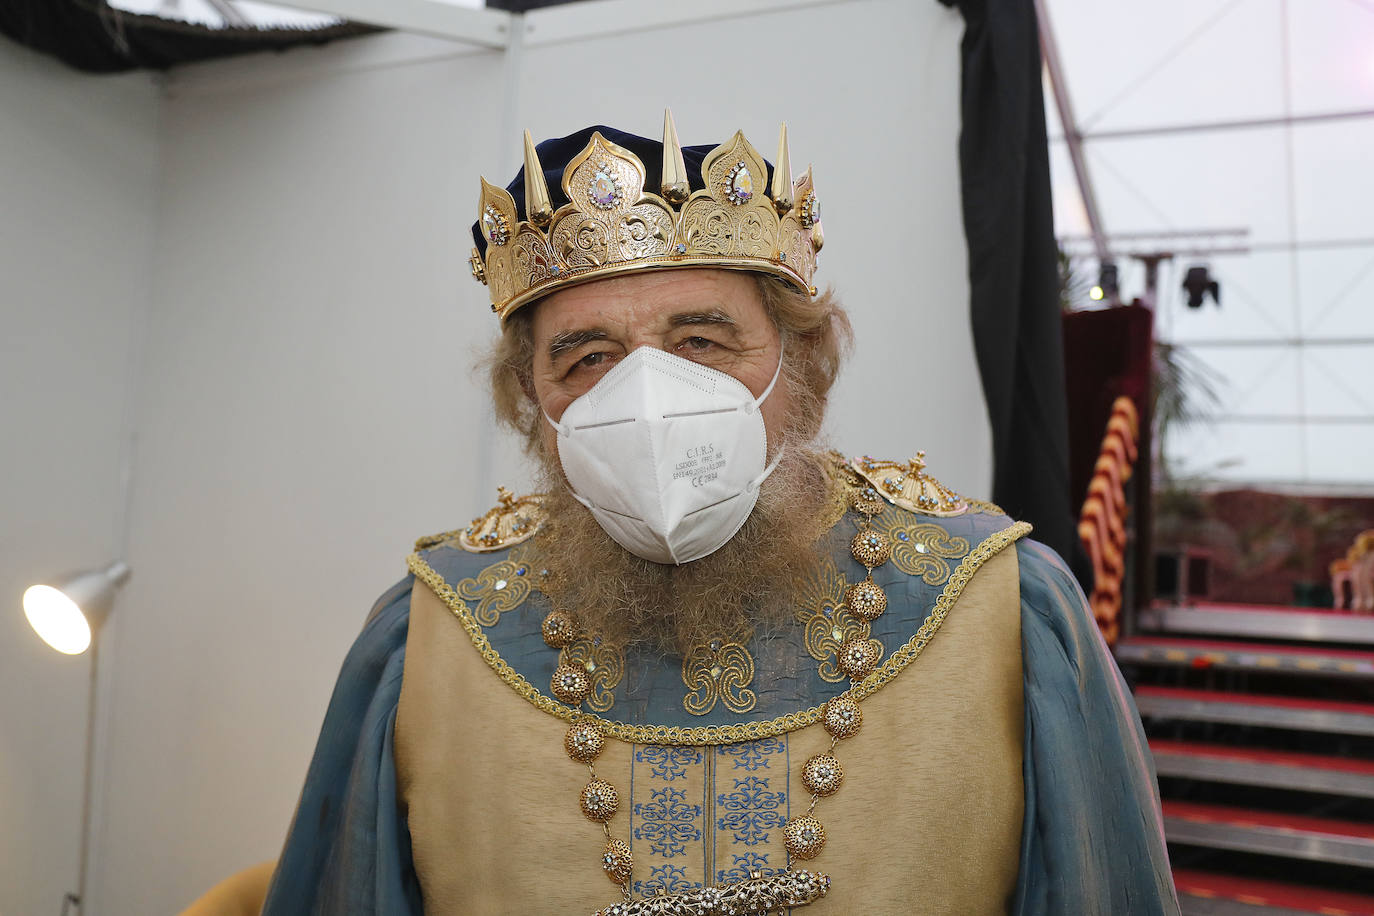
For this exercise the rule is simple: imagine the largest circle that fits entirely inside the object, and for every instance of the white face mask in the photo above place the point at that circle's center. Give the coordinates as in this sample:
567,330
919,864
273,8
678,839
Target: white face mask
667,454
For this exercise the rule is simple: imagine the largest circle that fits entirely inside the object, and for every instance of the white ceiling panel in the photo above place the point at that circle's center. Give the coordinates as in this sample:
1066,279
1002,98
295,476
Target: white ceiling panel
1240,451
1070,217
1254,381
1337,291
1331,45
1341,452
1169,62
1336,382
1334,179
1194,181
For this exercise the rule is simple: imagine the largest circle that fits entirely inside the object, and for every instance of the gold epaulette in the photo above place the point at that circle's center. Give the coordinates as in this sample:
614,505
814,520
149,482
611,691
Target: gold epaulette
512,520
906,484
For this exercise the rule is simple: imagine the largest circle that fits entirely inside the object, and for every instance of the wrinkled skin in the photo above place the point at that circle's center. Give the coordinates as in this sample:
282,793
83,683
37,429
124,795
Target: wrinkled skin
712,317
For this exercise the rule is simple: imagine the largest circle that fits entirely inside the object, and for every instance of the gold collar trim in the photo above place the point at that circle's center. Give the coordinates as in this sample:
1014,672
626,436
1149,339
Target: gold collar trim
743,731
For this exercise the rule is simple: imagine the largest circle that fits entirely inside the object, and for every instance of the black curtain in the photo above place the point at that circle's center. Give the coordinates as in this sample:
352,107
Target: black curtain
91,36
1013,270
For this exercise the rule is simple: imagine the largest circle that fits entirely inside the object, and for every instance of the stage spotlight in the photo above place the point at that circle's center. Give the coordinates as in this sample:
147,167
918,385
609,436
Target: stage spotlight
1107,286
1198,282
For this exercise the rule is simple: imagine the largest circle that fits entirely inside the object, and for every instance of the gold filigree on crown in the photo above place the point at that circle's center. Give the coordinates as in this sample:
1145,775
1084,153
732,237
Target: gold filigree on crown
613,226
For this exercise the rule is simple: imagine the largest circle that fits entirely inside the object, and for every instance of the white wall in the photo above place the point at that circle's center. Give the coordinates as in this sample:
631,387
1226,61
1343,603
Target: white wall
78,174
306,414
306,405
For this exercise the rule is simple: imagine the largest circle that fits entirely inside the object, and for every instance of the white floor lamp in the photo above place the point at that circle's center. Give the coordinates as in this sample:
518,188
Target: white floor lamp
67,615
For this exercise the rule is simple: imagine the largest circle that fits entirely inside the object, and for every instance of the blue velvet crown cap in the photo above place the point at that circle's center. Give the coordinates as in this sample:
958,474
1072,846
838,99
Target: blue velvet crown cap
555,154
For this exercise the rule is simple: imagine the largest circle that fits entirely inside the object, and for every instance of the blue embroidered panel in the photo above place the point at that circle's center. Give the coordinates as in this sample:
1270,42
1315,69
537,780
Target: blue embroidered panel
753,755
668,821
668,762
707,815
751,811
668,817
751,807
670,878
741,866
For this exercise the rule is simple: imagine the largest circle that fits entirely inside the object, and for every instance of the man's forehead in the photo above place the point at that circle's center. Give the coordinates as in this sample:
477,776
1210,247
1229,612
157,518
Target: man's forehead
649,303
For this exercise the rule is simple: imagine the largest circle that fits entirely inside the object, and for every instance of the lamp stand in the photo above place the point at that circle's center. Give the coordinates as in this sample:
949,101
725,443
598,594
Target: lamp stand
79,898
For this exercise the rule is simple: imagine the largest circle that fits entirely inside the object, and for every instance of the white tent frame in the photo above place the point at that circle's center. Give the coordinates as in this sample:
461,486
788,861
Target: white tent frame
1106,246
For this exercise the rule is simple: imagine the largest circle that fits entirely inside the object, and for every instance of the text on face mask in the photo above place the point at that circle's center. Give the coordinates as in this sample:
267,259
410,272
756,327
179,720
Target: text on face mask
701,463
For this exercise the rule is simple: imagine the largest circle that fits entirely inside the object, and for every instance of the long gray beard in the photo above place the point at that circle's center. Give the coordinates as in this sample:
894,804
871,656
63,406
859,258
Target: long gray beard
745,586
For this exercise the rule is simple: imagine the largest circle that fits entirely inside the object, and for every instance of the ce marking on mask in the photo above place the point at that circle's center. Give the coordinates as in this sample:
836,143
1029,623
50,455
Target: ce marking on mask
701,463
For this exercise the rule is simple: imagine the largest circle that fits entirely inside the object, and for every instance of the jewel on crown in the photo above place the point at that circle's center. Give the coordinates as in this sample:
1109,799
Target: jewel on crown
613,225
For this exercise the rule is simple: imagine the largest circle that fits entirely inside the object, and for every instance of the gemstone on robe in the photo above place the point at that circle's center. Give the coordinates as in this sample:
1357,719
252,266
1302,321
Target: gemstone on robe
583,742
600,800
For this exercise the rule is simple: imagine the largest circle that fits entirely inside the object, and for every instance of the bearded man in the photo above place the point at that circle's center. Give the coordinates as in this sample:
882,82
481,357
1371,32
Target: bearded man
721,667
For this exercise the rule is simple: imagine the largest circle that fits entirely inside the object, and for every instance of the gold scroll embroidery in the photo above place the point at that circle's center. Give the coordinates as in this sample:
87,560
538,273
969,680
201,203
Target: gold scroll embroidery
501,587
828,622
605,667
923,549
718,671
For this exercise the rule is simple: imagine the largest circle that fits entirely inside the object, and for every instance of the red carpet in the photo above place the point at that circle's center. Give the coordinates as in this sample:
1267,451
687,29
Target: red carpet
1274,894
1245,817
1251,648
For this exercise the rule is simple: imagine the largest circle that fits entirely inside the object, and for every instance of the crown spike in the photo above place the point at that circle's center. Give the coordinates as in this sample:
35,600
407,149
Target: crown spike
781,191
538,205
675,187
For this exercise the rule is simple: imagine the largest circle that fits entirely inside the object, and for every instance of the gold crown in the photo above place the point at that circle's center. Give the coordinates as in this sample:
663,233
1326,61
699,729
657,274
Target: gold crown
613,226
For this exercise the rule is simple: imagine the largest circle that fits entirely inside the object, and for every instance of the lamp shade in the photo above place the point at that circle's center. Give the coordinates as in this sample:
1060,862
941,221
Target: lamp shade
67,615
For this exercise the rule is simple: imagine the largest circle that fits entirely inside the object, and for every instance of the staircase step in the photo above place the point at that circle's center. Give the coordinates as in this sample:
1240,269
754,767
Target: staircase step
1222,895
1261,621
1296,713
1292,835
1206,653
1259,767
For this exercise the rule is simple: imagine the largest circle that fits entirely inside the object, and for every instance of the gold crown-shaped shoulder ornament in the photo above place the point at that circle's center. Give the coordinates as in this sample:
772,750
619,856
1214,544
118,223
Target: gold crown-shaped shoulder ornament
613,226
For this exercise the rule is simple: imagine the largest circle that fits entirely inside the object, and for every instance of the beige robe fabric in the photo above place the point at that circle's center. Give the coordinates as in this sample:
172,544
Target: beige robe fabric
928,819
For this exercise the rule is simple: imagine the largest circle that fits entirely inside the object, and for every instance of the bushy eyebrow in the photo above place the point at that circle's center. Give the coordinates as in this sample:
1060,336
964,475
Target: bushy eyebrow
566,341
710,316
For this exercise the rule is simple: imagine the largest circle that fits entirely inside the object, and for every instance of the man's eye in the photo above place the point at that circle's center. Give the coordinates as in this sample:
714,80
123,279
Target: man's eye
591,361
698,343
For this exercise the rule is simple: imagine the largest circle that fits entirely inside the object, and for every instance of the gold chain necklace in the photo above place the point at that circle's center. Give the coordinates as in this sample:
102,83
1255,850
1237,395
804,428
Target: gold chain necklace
803,835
